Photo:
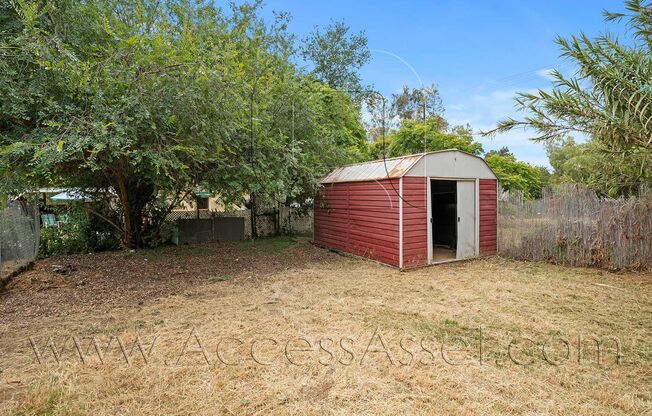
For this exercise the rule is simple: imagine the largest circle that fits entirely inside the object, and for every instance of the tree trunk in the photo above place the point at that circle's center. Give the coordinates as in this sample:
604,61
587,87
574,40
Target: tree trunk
128,239
134,196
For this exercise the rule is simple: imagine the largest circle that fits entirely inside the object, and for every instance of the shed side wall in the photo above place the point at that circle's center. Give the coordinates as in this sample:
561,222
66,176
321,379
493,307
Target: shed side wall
488,217
415,222
359,218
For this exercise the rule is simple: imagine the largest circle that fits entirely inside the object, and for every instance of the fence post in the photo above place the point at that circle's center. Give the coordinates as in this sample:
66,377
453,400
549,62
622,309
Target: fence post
252,209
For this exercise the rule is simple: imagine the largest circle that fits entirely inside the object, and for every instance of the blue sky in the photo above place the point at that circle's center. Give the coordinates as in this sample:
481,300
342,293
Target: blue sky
478,52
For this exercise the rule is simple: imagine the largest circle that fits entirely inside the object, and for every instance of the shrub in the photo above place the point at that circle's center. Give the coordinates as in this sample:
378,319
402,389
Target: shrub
81,233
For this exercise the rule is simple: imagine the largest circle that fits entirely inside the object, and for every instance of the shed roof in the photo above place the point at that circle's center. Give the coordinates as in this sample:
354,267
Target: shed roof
376,169
384,168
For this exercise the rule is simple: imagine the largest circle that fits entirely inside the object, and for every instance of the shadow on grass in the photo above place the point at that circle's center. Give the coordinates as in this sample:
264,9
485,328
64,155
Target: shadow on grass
266,245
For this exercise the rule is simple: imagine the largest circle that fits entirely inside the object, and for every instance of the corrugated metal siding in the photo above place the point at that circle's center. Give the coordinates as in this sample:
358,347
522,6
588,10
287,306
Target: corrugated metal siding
488,217
359,218
375,170
415,222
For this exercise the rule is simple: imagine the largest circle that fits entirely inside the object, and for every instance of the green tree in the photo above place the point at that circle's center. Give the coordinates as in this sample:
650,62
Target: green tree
610,97
503,151
609,100
143,102
115,97
416,137
337,55
418,103
516,175
546,178
609,173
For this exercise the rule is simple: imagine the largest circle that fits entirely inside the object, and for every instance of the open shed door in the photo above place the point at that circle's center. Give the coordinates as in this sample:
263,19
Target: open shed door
465,219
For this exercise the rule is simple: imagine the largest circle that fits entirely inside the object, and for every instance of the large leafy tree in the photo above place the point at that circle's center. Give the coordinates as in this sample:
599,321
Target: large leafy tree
516,175
412,122
610,173
609,98
120,98
417,103
336,55
413,104
416,137
142,102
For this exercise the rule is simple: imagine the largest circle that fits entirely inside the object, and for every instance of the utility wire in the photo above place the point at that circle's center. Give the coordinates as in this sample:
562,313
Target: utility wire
384,100
385,154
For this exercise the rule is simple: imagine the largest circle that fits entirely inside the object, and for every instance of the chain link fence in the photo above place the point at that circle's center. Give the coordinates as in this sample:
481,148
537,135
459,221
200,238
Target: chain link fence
19,238
573,226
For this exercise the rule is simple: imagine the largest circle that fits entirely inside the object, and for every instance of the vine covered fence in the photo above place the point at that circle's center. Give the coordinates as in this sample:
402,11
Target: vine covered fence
573,226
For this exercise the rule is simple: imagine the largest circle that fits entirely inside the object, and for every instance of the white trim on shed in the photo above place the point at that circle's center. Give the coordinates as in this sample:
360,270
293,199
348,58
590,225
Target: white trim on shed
443,164
451,164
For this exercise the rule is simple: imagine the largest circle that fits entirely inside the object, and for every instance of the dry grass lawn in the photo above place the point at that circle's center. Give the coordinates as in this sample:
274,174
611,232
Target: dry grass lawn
329,334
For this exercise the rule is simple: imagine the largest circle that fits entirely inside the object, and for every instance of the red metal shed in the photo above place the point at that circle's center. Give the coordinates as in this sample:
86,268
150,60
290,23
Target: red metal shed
410,211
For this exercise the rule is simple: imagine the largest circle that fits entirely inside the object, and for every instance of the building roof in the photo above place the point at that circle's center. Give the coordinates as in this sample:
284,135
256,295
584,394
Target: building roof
51,190
71,195
376,169
386,168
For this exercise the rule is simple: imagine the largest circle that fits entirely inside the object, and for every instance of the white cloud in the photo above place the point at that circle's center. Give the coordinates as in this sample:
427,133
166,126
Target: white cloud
546,73
484,111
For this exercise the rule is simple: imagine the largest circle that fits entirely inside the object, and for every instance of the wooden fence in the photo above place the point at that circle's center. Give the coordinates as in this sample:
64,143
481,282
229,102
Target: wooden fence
571,225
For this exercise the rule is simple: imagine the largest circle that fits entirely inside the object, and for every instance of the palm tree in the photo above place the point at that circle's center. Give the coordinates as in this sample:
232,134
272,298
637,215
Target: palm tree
609,98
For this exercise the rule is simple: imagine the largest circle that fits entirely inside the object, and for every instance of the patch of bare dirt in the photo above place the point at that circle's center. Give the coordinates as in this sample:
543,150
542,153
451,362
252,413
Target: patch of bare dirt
282,327
63,285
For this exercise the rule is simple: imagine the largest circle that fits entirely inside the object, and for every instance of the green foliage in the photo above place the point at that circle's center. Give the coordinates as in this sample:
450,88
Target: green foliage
610,173
141,102
337,56
378,148
81,233
546,177
516,175
415,136
609,99
410,104
503,151
417,103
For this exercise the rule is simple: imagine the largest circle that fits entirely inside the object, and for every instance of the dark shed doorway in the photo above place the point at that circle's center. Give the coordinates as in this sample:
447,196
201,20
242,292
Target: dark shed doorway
443,196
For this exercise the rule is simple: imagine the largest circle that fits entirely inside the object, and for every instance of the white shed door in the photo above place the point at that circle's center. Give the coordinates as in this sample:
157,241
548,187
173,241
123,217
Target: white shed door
465,219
